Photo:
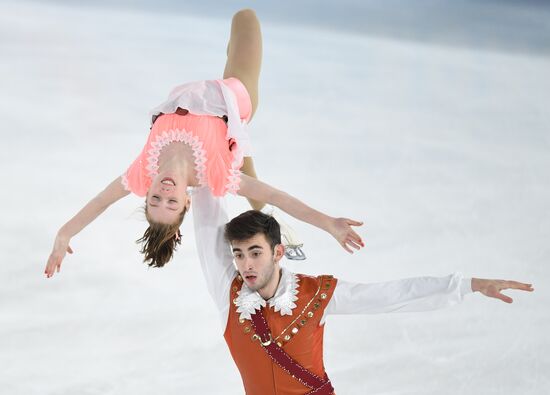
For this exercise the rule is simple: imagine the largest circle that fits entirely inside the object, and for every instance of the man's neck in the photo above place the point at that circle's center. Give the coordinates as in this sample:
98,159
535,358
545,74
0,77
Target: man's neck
269,290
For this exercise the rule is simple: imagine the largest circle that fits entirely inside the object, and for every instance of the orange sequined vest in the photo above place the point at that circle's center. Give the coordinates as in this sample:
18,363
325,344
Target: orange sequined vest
298,334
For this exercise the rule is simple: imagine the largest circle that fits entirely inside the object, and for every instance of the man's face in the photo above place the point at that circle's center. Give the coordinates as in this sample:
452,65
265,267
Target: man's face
256,261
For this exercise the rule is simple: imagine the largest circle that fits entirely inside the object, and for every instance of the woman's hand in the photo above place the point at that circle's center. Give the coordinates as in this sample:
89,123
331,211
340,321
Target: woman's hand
340,229
60,248
112,193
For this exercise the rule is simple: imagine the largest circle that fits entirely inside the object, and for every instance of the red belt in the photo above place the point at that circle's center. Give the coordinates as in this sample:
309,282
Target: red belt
318,385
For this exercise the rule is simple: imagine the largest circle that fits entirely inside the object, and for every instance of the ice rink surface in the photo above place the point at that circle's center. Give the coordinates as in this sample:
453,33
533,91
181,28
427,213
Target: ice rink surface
442,149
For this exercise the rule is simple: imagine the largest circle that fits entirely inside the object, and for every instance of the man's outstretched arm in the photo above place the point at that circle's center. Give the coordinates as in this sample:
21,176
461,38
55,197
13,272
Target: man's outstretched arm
413,294
209,219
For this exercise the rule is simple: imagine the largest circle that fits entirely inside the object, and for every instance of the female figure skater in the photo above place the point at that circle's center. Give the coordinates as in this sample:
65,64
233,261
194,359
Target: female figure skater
198,138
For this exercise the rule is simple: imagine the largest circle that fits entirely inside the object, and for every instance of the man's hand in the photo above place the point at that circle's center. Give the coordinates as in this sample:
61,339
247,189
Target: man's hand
492,288
340,229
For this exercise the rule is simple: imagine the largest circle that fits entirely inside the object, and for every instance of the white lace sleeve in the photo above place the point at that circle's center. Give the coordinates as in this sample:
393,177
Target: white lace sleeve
210,217
410,294
124,181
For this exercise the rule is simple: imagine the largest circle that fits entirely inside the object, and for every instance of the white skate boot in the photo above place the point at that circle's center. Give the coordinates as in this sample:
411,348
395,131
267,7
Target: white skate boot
293,246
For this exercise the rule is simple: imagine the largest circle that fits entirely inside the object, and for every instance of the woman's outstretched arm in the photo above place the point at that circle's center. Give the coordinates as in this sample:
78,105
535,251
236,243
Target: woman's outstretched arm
113,192
339,228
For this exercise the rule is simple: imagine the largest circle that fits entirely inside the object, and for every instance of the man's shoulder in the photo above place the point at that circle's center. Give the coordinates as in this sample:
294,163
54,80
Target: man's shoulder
236,278
309,277
320,282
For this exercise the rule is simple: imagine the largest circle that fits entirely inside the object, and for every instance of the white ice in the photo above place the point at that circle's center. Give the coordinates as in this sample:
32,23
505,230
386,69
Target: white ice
443,151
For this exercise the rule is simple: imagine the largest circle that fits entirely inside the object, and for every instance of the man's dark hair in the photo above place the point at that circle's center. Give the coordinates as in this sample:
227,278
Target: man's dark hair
249,224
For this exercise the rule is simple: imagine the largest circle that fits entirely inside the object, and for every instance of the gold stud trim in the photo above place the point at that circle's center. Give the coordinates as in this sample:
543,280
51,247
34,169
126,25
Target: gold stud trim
302,317
302,313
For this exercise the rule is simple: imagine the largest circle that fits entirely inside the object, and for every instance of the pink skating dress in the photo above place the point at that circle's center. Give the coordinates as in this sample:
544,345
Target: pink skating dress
218,147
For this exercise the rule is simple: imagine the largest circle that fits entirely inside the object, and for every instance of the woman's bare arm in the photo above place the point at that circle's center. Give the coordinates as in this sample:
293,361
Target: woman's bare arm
112,193
339,228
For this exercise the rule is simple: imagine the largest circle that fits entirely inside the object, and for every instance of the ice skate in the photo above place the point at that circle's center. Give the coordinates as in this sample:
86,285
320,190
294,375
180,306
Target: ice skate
293,246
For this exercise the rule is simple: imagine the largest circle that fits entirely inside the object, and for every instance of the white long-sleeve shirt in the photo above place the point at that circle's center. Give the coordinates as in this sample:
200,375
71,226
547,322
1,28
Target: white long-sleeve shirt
411,294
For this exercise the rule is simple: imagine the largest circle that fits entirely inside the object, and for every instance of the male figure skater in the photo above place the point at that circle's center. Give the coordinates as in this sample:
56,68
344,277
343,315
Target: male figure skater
274,319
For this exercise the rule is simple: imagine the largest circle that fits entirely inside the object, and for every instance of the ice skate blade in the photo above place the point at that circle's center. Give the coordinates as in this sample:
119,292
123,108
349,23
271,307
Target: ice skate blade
294,253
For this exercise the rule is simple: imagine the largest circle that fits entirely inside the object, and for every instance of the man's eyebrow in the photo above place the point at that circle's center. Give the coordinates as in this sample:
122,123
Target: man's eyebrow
237,249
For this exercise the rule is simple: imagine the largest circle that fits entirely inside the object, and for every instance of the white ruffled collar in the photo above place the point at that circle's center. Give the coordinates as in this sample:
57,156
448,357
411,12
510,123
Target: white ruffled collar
184,136
249,301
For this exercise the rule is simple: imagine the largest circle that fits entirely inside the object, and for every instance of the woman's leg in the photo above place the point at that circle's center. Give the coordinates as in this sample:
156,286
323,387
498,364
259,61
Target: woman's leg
244,60
248,169
244,53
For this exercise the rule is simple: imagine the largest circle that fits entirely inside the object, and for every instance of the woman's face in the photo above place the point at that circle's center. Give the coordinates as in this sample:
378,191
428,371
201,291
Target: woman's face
166,200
